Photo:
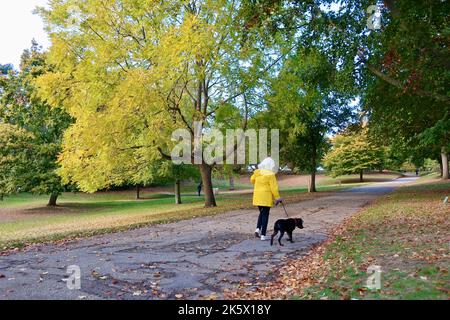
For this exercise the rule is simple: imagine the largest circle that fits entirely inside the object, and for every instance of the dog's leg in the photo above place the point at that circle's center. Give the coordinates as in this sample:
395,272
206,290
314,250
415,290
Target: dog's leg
290,237
275,232
281,236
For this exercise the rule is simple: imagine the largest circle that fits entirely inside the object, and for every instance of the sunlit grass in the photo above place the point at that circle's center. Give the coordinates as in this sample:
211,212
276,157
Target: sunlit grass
80,214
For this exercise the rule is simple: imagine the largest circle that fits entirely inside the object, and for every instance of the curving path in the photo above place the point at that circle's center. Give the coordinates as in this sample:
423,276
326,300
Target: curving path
189,259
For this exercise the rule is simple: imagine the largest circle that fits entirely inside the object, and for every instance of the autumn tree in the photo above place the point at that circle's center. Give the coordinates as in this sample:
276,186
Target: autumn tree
353,153
132,72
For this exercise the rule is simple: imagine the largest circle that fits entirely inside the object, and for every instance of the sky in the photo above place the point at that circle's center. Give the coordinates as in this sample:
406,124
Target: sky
18,26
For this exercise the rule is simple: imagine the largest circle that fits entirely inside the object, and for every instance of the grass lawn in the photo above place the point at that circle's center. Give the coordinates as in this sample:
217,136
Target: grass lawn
406,233
24,218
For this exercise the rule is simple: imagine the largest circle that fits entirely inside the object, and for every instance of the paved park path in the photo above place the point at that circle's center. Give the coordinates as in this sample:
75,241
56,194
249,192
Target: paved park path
191,259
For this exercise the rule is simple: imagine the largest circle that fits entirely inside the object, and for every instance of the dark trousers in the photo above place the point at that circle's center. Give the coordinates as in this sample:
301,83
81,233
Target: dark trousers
263,219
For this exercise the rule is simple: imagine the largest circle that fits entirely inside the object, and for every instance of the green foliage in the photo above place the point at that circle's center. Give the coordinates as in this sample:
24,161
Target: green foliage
400,70
408,98
166,171
307,105
15,154
44,126
431,165
438,134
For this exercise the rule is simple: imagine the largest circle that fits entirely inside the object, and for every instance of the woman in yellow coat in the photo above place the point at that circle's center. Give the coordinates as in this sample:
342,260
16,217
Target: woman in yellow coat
265,193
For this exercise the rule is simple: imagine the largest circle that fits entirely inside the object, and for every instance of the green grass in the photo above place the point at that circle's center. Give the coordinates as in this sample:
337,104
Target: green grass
406,233
25,219
75,214
85,218
27,199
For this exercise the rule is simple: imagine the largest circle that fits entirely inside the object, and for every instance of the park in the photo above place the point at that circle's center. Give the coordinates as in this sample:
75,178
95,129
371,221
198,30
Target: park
141,143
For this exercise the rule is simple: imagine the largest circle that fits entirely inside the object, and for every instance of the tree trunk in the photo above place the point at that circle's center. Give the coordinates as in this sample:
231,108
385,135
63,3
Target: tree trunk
312,181
361,176
178,192
231,183
138,192
205,171
444,157
52,200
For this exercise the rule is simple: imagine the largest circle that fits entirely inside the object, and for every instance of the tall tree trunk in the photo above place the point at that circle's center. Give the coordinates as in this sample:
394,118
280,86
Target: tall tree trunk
444,157
205,171
361,176
312,181
138,192
177,192
52,200
231,182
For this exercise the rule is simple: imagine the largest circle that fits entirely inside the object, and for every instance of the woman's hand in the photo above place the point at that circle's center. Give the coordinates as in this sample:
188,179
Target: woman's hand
278,201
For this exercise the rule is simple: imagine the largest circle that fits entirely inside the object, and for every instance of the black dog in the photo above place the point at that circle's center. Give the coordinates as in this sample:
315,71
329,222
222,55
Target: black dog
285,225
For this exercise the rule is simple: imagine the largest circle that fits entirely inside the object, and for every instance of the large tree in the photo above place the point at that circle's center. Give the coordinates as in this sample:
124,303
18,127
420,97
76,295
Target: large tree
400,64
131,72
353,153
408,99
307,103
20,107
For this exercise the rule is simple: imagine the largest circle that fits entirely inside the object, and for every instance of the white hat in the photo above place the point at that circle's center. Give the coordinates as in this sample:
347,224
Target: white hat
268,164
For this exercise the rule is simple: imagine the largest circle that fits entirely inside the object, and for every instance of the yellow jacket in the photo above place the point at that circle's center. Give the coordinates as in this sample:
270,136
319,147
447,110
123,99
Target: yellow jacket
266,188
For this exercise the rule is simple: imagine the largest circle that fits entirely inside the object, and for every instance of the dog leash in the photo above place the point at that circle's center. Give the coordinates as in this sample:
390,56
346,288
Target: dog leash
285,211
